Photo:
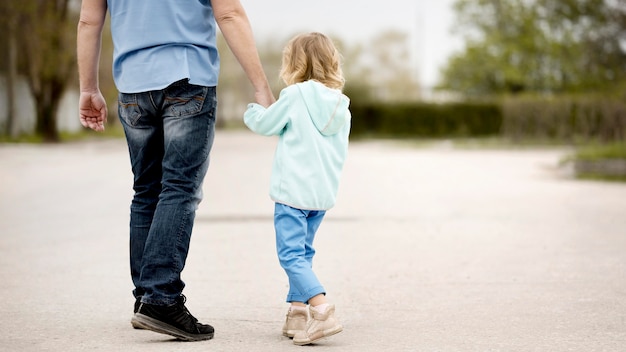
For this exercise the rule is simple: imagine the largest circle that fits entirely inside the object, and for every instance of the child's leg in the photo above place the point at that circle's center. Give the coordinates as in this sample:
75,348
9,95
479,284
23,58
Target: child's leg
318,300
295,232
314,220
295,251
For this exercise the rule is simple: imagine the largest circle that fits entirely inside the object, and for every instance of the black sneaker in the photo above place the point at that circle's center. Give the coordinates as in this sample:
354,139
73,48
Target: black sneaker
137,304
134,323
174,320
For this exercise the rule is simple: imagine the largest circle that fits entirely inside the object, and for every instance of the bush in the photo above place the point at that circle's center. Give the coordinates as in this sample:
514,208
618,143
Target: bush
565,118
562,119
426,120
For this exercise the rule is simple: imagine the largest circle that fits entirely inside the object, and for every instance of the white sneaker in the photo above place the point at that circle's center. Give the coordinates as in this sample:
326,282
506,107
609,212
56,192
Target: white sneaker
319,326
295,321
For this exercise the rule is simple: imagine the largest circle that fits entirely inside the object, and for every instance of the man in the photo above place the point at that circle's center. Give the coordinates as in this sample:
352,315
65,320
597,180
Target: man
165,67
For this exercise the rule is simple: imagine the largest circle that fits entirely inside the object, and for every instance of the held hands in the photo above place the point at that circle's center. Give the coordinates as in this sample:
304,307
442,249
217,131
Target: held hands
265,97
92,110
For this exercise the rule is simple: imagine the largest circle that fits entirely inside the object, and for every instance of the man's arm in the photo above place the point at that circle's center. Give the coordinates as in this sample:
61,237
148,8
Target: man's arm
92,106
235,26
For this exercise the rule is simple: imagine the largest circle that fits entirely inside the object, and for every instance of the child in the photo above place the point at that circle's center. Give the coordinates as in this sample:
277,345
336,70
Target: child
312,120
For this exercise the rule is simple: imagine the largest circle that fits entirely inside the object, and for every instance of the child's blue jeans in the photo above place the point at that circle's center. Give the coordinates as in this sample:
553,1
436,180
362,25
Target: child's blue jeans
295,232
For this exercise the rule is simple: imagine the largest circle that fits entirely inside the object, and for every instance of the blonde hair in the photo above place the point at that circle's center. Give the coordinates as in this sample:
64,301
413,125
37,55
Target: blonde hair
312,56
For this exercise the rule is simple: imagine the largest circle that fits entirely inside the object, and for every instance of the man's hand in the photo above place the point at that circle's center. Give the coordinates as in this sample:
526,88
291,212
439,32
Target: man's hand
265,98
93,110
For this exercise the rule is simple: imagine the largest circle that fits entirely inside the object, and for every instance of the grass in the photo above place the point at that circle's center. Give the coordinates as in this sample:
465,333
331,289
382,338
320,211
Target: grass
599,154
111,132
600,177
615,150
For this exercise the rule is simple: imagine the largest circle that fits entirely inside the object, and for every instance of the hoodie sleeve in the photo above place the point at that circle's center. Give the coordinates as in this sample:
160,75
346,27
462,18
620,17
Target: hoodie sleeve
268,121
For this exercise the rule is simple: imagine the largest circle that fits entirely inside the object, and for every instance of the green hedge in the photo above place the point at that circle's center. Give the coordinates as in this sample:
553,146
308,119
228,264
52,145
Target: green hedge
426,120
561,119
565,118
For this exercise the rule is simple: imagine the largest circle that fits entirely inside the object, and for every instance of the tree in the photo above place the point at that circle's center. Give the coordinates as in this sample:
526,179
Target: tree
383,66
8,25
45,45
234,88
538,45
378,70
49,46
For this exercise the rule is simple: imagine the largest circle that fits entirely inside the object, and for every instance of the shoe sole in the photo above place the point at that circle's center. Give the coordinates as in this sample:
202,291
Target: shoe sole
148,323
325,333
290,333
136,324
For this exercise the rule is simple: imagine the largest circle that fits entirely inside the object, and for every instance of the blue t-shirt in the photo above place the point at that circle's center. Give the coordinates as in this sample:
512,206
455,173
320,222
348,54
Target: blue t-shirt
159,42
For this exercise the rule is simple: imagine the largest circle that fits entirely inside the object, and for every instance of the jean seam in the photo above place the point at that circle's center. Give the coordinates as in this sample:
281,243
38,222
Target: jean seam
154,105
179,239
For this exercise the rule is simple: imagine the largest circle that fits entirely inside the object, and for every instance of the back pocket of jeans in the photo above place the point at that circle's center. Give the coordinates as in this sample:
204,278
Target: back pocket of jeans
185,100
128,108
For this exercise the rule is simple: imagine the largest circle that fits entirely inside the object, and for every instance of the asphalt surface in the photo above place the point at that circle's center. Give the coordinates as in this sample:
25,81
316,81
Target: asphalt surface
430,248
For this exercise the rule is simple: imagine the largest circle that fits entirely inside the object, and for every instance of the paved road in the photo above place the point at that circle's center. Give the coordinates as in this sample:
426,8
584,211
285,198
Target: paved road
428,249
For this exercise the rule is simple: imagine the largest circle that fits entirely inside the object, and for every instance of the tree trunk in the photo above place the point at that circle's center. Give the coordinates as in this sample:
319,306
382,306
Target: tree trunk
12,126
48,100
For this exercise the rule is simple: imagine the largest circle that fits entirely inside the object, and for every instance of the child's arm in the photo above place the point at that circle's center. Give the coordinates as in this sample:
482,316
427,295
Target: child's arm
268,121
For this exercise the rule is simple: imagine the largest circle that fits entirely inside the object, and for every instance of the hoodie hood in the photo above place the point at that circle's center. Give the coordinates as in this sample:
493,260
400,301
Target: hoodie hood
328,108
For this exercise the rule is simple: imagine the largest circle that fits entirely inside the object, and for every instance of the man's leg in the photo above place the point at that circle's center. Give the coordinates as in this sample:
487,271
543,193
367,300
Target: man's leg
144,134
188,131
188,125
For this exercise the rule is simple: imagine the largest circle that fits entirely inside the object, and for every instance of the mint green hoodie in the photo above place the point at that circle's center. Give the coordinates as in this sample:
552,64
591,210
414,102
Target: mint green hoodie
313,125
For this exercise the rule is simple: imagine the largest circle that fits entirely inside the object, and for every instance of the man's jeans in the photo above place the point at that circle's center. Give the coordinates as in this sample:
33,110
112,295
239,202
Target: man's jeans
295,232
169,133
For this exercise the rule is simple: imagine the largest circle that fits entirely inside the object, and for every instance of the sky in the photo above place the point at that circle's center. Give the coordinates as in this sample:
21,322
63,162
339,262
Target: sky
427,22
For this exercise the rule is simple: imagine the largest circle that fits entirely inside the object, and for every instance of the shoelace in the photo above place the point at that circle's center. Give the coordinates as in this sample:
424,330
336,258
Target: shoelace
182,301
